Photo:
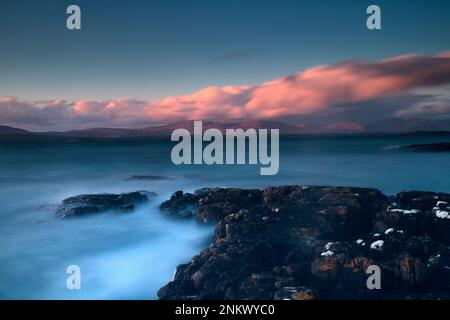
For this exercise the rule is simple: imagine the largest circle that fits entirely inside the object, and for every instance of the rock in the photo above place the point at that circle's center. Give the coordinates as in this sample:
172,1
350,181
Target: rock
295,293
180,204
326,269
95,203
412,271
148,178
431,147
415,213
205,191
314,243
211,204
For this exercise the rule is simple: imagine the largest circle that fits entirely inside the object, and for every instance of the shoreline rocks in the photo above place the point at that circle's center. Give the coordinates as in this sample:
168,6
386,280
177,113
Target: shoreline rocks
301,243
431,147
96,203
146,178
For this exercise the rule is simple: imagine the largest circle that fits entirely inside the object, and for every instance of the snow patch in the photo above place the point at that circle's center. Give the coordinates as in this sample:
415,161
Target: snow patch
327,254
442,214
377,245
388,231
404,211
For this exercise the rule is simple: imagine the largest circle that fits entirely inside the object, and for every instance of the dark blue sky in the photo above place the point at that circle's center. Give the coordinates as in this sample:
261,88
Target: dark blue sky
151,49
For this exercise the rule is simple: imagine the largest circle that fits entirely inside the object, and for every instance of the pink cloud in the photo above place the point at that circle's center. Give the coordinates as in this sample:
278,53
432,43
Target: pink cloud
318,90
84,107
314,90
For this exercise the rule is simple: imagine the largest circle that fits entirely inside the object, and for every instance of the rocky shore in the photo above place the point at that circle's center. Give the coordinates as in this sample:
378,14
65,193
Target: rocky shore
431,147
86,204
301,243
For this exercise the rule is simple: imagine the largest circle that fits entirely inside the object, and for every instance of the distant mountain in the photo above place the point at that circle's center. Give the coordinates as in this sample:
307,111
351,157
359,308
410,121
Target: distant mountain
96,132
396,125
166,130
344,127
284,128
390,125
5,130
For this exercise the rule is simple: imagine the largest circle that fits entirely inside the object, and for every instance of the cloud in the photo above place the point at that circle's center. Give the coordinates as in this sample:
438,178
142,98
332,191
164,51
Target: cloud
321,90
315,90
44,113
425,111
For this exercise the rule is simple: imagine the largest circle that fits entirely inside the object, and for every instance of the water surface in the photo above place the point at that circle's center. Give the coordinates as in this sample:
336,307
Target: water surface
130,256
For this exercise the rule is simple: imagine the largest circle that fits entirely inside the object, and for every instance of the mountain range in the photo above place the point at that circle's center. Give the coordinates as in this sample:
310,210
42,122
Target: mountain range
390,125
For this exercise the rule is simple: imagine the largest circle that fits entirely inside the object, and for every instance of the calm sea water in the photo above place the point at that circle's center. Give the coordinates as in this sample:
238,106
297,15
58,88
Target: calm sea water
130,256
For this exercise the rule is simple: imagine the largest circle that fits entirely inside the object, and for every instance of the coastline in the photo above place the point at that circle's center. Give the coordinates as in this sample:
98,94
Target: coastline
303,243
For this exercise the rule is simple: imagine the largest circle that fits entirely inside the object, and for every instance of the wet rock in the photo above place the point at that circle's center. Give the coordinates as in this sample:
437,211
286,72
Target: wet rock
412,271
96,203
325,270
295,293
299,242
222,202
211,204
431,147
145,178
180,204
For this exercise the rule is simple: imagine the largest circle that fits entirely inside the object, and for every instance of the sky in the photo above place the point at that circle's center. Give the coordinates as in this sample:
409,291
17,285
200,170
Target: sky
137,63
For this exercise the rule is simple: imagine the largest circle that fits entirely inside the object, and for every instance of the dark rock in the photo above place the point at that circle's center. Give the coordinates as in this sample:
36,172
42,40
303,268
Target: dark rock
148,178
315,243
95,203
295,293
180,204
431,147
211,204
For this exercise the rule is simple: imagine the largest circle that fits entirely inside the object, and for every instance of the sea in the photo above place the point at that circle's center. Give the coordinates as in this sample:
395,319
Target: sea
132,255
